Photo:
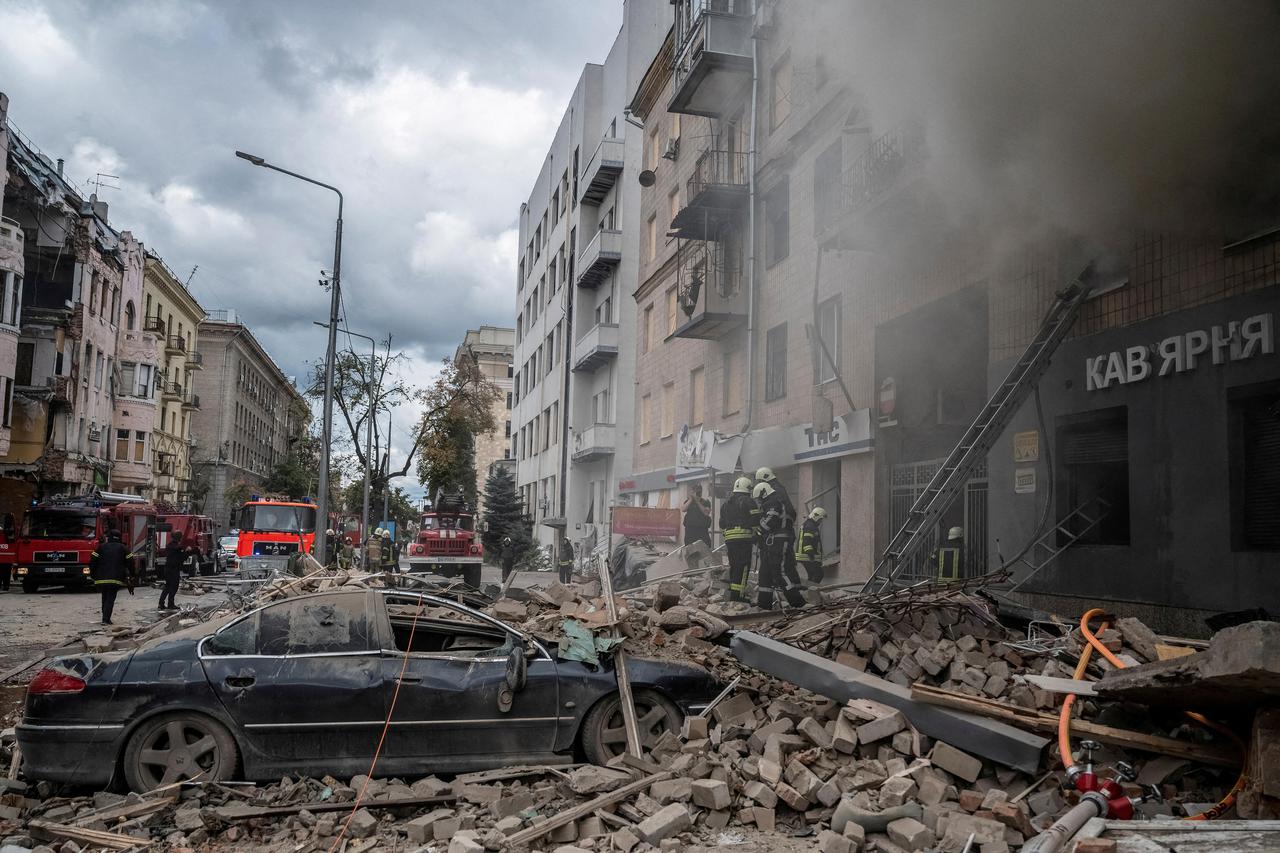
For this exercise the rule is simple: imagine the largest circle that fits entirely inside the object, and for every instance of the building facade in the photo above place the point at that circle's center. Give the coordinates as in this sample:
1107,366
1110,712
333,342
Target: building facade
173,316
493,349
572,433
135,453
11,270
250,412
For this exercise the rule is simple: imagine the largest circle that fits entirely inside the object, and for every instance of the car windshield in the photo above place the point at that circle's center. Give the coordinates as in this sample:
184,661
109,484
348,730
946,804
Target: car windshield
59,524
278,517
228,543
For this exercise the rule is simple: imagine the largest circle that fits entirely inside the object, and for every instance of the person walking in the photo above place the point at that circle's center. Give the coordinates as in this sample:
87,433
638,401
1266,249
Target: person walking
737,525
809,545
111,567
776,543
565,563
507,558
330,547
697,518
175,554
789,571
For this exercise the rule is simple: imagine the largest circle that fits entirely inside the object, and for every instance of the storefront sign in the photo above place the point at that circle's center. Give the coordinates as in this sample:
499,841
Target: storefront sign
646,522
1026,446
693,448
849,433
1236,341
1024,481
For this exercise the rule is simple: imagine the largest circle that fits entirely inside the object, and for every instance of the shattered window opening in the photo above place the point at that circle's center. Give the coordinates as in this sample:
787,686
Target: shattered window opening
330,624
443,630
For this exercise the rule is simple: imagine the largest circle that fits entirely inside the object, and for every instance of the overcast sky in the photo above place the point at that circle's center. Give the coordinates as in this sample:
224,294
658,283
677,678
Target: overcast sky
431,116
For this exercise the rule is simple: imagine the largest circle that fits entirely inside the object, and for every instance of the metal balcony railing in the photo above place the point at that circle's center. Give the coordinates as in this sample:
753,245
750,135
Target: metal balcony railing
879,168
716,168
175,345
153,324
195,360
712,51
191,401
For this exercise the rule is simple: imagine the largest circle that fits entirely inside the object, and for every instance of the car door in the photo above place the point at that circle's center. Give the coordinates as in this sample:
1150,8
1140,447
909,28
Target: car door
448,713
302,678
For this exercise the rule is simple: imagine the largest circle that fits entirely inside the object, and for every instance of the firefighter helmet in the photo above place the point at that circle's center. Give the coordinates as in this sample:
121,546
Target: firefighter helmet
743,485
764,475
377,531
386,534
329,532
955,533
761,491
818,514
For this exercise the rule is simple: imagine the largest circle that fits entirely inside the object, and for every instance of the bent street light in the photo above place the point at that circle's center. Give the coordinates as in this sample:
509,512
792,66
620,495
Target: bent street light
326,425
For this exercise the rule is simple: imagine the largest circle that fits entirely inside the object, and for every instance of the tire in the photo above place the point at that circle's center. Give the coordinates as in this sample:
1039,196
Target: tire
603,736
149,762
30,587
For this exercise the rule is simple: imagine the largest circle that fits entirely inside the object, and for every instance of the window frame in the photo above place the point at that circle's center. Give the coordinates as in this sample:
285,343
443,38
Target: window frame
833,306
775,363
375,628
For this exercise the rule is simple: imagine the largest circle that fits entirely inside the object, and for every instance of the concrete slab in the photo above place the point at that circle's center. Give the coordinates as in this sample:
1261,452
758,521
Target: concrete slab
990,739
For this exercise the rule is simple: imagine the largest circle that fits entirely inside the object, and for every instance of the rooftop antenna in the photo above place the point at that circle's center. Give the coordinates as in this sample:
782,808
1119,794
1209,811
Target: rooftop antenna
191,276
98,183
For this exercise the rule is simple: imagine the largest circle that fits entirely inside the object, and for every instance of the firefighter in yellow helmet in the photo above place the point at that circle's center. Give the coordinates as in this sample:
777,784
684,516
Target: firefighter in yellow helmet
737,525
949,556
789,571
809,545
776,543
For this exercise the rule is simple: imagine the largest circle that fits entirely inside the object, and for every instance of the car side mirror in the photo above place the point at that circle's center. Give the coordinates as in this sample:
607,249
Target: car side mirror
517,669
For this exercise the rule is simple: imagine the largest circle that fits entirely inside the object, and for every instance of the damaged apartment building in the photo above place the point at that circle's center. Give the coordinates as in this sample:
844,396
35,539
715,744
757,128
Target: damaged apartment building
800,302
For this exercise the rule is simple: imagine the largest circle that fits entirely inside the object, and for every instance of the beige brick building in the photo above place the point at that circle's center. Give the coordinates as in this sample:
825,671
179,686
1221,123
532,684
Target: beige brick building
493,349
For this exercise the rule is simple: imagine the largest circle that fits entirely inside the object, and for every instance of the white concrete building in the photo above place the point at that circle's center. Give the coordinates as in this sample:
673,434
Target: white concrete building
575,325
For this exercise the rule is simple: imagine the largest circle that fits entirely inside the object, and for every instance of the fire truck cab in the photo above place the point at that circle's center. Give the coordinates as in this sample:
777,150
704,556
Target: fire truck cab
58,537
447,544
275,528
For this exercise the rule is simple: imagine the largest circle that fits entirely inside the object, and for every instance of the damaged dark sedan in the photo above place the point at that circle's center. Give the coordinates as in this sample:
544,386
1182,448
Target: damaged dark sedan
306,685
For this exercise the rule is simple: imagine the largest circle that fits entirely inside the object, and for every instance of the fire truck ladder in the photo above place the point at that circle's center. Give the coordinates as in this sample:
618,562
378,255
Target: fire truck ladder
1066,533
948,482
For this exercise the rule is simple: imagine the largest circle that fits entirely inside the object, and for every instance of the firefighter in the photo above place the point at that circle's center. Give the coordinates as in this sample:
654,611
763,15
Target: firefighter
373,551
737,525
346,554
775,544
565,563
789,571
388,553
809,545
111,567
330,547
949,557
175,554
508,557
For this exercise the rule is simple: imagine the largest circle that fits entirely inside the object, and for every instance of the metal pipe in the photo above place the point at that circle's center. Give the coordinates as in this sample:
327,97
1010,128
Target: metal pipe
751,229
1053,839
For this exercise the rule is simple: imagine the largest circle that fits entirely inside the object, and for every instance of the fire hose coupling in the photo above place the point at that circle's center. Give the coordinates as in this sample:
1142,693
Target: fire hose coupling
1122,808
1082,775
1114,787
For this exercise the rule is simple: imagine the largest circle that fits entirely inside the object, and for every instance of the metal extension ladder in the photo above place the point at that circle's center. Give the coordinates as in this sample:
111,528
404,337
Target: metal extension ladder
978,439
1059,538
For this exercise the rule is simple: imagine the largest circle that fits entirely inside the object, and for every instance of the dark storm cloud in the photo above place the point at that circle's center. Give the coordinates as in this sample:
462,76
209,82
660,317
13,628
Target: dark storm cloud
431,116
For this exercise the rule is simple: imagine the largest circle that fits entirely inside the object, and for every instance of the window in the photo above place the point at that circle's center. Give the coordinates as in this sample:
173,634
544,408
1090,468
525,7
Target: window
731,383
697,394
651,238
442,630
828,334
98,367
646,418
115,305
122,445
553,423
573,197
139,446
780,87
775,363
508,406
507,434
26,359
646,326
555,207
10,298
127,380
653,152
777,223
673,204
130,318
671,311
6,389
93,293
668,409
1254,453
238,638
827,181
1093,462
320,625
600,408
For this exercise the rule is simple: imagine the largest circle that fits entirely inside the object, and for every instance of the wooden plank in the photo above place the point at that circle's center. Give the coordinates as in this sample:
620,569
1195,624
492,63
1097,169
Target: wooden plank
88,837
629,722
1043,722
504,773
1061,685
23,667
568,816
1167,652
125,811
239,812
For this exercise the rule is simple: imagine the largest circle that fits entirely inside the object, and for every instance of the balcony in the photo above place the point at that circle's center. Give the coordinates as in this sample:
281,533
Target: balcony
602,171
11,240
195,360
175,345
191,401
598,259
593,443
713,55
710,295
171,392
875,179
716,194
596,348
153,324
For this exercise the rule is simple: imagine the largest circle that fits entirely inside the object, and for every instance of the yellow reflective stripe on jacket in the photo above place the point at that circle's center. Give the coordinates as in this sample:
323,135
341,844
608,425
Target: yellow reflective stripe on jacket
733,533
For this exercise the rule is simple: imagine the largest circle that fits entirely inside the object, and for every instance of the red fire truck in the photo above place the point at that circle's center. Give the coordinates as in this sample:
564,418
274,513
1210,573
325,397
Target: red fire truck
275,528
447,544
58,536
193,530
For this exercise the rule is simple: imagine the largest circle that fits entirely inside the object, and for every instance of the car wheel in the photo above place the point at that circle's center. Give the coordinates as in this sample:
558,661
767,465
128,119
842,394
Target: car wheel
603,735
30,586
174,747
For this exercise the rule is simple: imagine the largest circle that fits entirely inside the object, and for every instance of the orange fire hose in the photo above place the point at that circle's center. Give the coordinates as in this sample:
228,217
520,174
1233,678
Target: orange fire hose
1064,718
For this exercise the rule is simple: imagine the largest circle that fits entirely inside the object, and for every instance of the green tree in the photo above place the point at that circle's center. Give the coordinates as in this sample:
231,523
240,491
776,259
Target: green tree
448,460
504,515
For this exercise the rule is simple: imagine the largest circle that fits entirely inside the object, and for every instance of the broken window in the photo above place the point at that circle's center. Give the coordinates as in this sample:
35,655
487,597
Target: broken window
1255,467
314,625
428,628
1093,465
828,334
238,638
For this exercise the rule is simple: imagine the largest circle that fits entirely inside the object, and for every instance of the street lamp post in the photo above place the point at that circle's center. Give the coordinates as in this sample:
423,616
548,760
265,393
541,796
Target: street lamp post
368,433
326,425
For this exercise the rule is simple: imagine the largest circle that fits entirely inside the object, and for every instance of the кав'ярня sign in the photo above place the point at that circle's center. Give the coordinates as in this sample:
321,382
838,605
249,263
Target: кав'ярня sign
1235,341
